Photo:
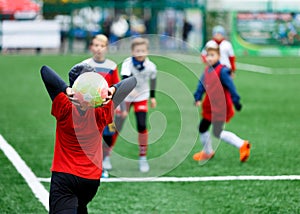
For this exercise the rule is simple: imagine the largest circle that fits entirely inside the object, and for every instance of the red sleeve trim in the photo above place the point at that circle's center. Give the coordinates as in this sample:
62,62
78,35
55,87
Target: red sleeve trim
203,57
115,76
232,62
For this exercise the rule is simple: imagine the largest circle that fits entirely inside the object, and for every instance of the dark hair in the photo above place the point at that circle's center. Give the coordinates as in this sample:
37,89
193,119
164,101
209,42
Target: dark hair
78,69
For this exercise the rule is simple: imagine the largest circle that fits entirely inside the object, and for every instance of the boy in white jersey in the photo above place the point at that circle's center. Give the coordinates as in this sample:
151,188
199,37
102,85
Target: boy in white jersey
144,71
227,56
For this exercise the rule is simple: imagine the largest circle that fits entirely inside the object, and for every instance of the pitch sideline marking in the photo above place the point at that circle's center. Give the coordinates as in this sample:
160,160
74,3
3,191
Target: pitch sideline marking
33,182
197,179
240,66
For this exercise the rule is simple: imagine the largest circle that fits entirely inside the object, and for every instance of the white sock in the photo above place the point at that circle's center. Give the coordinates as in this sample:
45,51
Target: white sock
143,158
231,138
206,142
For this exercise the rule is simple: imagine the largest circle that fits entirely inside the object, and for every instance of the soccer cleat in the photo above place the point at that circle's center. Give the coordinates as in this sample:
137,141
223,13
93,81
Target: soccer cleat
245,151
106,163
202,156
143,165
105,174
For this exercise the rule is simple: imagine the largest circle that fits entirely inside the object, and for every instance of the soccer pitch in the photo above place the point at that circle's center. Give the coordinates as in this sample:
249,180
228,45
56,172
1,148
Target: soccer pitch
269,88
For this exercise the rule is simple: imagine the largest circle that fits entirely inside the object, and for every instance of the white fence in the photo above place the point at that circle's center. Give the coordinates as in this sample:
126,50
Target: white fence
30,34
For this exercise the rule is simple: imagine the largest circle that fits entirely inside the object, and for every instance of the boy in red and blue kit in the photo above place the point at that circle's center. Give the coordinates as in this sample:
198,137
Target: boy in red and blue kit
77,162
109,70
217,105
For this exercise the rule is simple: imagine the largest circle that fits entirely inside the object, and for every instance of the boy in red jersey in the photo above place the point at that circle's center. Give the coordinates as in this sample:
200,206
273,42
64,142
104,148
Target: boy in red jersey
217,106
77,162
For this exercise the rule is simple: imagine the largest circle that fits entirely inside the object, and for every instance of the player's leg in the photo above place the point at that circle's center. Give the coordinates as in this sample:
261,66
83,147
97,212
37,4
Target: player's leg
141,109
205,139
142,140
108,132
142,132
205,136
107,143
86,191
110,135
232,139
62,197
119,122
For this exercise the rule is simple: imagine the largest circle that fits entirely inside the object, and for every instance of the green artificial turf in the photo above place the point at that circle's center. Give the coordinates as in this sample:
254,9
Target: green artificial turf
269,120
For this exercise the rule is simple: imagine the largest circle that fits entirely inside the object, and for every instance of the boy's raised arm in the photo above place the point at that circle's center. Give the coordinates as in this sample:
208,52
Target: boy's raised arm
123,88
54,84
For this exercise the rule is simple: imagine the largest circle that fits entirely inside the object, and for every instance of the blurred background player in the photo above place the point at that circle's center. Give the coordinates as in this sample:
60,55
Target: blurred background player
139,66
217,106
227,56
109,70
186,29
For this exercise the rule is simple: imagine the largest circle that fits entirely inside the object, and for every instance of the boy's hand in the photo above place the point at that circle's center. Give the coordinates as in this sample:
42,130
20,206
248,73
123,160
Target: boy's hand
153,102
111,92
238,106
198,103
70,93
232,74
124,114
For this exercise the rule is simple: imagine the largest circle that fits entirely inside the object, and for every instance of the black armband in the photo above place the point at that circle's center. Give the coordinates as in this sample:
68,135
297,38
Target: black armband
124,77
152,87
152,93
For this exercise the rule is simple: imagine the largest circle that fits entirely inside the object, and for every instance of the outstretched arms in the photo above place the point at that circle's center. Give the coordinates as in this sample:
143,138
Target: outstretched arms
53,83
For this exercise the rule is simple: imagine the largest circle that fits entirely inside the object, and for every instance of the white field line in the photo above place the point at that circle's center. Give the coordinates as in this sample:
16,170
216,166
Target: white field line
197,179
35,185
240,66
286,70
254,68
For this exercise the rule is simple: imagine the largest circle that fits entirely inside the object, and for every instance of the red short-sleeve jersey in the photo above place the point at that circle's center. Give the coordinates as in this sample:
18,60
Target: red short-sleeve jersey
78,144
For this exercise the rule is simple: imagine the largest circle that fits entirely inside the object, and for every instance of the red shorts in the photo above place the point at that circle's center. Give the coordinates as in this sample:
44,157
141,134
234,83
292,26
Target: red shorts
141,106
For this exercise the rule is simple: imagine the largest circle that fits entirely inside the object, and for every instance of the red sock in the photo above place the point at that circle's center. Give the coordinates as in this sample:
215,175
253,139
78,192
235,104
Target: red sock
114,139
143,142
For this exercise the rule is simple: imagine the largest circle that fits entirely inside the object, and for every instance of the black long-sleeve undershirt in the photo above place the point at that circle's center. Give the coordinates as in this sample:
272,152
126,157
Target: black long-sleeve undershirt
54,84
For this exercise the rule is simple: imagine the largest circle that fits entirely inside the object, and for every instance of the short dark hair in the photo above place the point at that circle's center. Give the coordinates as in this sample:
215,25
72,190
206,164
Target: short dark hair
78,69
